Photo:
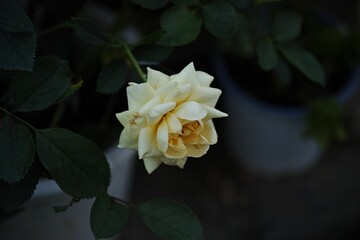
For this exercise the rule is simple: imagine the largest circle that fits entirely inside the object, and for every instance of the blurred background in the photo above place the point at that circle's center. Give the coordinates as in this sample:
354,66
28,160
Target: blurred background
233,197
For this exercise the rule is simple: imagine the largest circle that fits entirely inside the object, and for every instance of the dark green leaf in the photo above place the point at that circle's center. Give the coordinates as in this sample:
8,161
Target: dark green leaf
17,150
150,53
180,25
17,38
88,32
40,89
220,19
108,217
112,77
78,166
153,4
170,220
287,26
71,90
305,62
13,196
240,4
267,57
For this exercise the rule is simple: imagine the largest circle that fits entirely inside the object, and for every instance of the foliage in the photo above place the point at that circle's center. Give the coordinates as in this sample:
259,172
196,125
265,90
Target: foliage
37,82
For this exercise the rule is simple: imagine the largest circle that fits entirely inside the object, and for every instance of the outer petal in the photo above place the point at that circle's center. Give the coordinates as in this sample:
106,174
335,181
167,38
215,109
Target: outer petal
180,162
197,150
163,91
156,79
158,111
214,113
125,117
162,136
204,78
149,105
138,95
188,74
190,111
147,143
180,94
127,139
209,133
151,163
206,95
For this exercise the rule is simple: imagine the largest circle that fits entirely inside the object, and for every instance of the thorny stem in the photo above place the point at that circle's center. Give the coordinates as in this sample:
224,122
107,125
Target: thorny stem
134,62
130,205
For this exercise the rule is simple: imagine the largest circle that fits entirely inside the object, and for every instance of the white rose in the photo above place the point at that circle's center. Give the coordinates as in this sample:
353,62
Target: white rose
170,117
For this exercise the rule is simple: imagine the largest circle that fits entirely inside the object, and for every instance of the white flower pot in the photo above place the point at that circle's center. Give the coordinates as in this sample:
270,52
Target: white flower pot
265,138
38,220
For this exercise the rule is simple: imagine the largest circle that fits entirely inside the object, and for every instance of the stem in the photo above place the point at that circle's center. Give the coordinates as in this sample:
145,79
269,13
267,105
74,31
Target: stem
134,62
54,28
123,202
17,118
59,112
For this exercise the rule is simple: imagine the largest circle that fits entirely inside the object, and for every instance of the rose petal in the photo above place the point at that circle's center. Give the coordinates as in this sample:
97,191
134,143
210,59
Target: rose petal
156,79
162,136
204,78
197,150
190,111
167,89
180,94
151,163
173,123
188,74
145,109
138,95
214,113
147,143
205,95
180,162
158,111
209,133
125,117
127,139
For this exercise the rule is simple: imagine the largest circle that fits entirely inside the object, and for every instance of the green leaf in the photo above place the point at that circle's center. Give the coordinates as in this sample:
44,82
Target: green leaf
112,77
40,89
287,26
107,217
240,4
180,25
71,90
266,1
17,150
78,166
267,57
153,4
17,38
170,220
220,19
150,53
13,196
305,62
88,31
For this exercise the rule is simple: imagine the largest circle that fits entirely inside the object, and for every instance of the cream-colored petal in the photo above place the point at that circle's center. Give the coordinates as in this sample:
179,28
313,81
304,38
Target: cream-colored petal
162,136
176,148
180,162
205,95
127,139
214,113
166,89
125,117
151,163
180,94
156,79
138,95
190,111
145,109
147,143
197,150
204,78
173,123
187,75
209,133
158,111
